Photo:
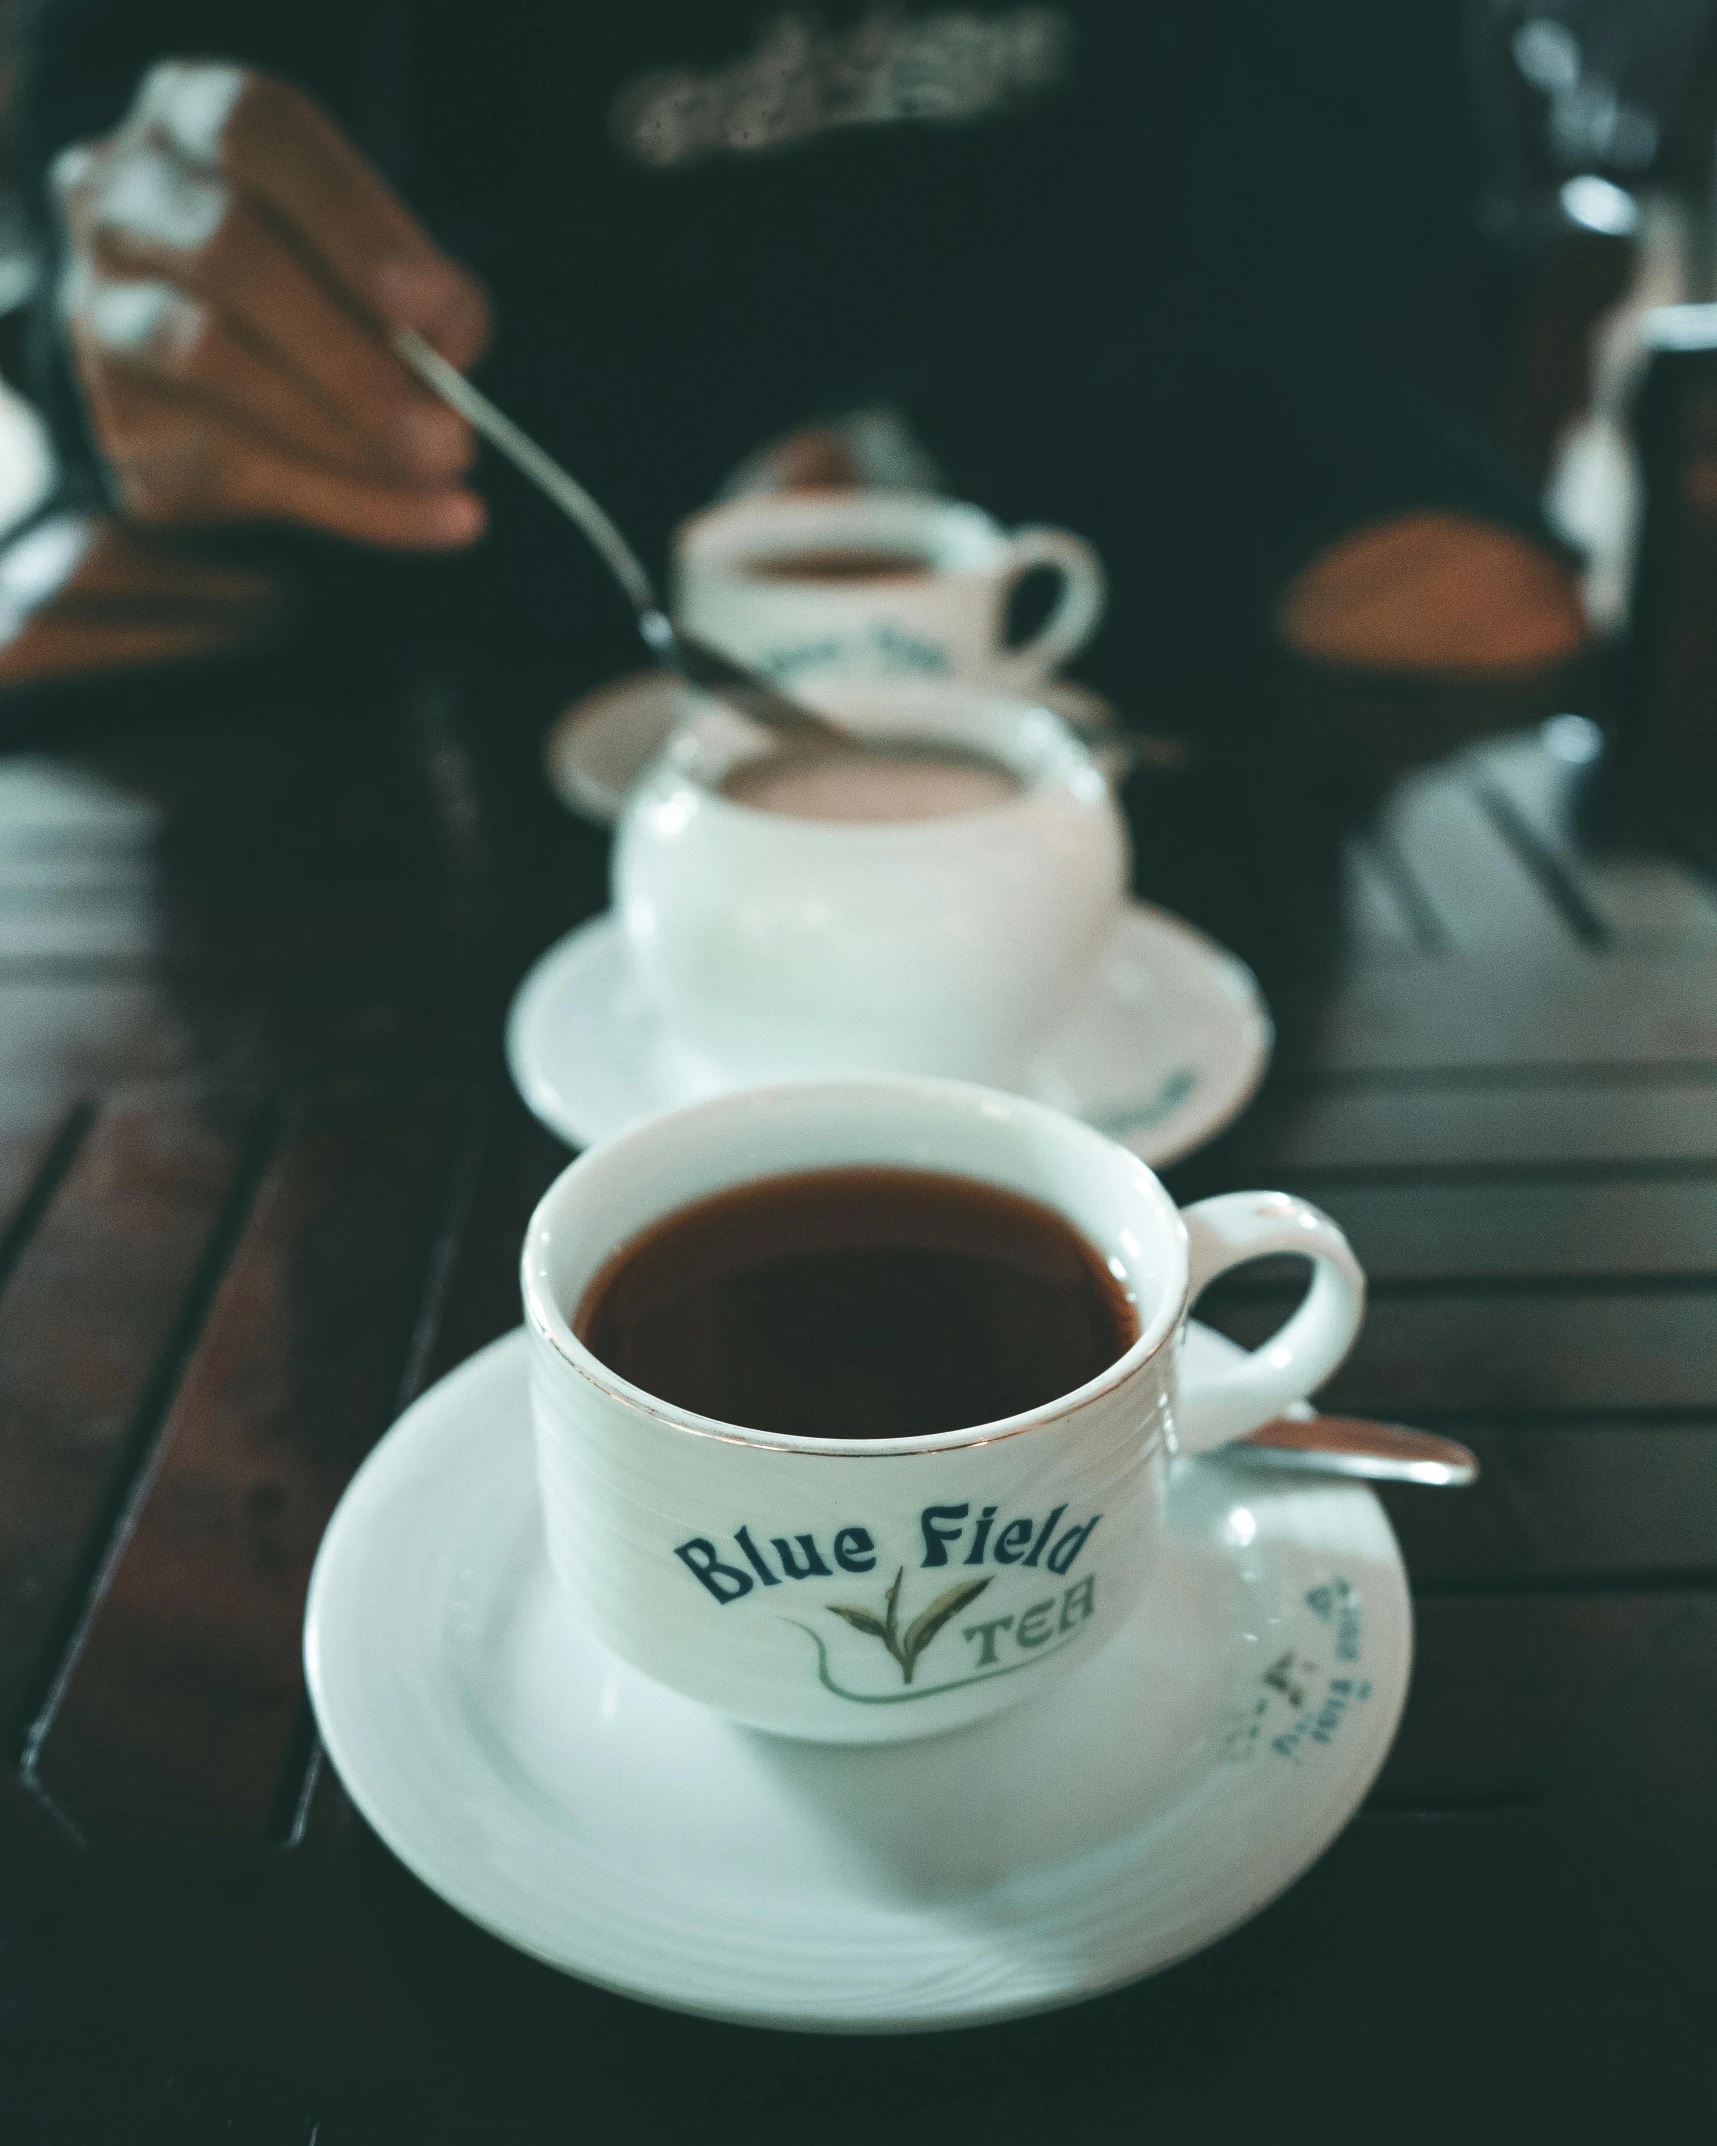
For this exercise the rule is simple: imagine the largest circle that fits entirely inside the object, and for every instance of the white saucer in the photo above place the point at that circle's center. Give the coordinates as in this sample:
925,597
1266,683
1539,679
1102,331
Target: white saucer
1165,1052
596,750
1157,1797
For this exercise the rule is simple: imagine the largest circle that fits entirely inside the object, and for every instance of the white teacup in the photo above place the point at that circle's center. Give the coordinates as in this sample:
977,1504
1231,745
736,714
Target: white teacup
762,1573
777,948
948,620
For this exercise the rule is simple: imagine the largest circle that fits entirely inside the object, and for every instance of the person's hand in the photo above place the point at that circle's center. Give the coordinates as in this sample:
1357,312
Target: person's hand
233,267
83,595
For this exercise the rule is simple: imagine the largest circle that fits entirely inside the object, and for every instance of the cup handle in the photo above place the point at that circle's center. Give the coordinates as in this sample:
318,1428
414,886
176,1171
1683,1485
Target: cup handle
1074,620
1227,1232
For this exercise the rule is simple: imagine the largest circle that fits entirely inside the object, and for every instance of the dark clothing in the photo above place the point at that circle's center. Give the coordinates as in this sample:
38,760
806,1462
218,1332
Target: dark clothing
1117,262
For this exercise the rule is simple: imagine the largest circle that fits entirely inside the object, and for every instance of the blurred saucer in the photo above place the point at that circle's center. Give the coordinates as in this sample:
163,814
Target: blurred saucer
596,751
599,747
1169,1790
1166,1050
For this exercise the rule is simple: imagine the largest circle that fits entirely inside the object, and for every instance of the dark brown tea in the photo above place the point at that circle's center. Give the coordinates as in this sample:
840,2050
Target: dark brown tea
858,1303
847,562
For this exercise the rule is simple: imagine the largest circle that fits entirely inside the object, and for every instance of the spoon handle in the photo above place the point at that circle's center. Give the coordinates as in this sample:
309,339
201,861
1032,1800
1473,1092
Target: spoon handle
1349,1445
747,690
699,664
530,460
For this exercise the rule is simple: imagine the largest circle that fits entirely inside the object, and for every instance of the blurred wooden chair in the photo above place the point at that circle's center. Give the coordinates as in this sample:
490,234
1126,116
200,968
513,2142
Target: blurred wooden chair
1575,108
1612,94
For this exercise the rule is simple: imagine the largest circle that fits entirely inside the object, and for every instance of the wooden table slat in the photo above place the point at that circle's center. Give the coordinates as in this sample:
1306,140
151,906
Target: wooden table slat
1630,1227
1505,1687
90,1320
1374,913
1569,1509
37,1143
1642,900
67,1034
1496,1352
76,932
54,807
1492,1353
1395,1126
180,1710
1474,881
1538,1006
520,1160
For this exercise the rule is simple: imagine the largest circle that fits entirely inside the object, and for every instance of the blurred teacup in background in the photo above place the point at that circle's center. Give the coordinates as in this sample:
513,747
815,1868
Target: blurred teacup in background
808,586
797,934
879,584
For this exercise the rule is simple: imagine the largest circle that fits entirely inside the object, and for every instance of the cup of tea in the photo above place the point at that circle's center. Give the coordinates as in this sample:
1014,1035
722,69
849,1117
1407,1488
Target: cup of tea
853,1400
932,909
879,584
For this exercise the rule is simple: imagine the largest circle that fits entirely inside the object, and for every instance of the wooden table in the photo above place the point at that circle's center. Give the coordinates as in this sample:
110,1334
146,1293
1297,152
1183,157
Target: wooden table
261,1178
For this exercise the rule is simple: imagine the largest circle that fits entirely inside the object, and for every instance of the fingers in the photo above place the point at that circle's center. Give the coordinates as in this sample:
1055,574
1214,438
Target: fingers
235,265
181,465
69,644
279,147
79,596
391,517
124,565
241,286
152,336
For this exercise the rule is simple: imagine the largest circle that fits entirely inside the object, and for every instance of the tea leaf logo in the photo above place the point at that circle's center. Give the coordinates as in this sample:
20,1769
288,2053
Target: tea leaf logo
908,1646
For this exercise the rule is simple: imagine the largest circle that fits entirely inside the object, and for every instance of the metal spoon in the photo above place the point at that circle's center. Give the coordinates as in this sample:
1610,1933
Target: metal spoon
1349,1445
697,663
